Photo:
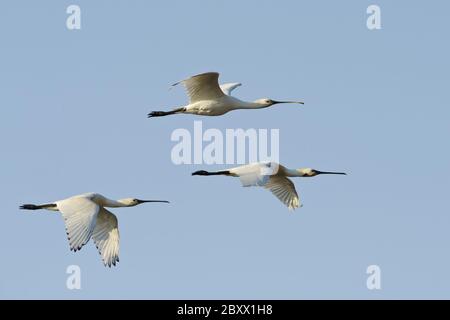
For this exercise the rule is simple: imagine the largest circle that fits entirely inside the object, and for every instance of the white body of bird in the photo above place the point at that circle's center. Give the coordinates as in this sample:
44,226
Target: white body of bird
85,216
271,176
207,98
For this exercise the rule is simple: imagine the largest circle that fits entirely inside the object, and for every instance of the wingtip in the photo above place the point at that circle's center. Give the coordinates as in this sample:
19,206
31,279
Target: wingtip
110,264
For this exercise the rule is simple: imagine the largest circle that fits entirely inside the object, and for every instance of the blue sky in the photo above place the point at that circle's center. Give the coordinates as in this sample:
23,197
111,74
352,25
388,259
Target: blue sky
73,120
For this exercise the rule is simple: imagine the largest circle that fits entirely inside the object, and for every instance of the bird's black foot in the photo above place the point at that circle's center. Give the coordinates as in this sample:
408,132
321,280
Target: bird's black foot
165,113
29,207
200,173
158,114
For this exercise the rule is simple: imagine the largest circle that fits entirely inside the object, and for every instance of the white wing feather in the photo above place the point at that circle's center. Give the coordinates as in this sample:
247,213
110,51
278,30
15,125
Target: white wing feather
80,217
228,87
249,175
106,237
284,190
266,174
255,174
203,86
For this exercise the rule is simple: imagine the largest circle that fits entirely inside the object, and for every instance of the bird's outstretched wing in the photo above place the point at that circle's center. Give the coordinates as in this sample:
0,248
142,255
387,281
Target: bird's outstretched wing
203,86
106,237
284,190
255,174
228,87
80,217
251,175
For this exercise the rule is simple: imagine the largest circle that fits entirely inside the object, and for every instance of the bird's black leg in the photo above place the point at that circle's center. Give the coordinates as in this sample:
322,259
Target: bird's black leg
206,173
35,207
165,113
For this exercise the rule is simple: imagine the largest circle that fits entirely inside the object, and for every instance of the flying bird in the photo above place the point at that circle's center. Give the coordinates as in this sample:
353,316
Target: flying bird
207,98
85,216
271,176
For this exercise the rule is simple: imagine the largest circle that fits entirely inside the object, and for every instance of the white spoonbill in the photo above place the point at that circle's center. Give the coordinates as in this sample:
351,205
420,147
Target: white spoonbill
85,216
207,98
272,176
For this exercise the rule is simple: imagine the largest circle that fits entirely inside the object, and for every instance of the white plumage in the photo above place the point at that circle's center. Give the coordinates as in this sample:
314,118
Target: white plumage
272,176
106,237
228,87
85,216
208,98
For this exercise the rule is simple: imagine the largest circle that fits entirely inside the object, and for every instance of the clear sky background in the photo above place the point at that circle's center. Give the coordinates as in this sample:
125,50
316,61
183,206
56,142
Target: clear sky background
73,108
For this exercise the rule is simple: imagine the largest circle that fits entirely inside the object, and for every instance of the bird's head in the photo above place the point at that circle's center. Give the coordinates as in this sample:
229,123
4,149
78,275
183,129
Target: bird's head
309,172
266,102
131,202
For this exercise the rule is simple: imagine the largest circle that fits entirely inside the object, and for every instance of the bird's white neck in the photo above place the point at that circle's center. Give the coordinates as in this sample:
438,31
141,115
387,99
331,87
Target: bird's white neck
115,204
294,173
249,105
